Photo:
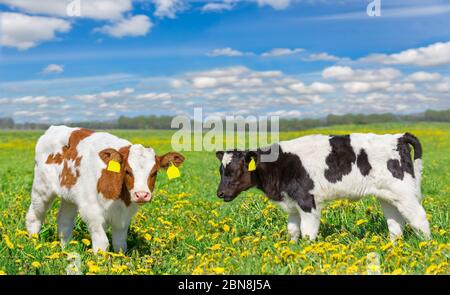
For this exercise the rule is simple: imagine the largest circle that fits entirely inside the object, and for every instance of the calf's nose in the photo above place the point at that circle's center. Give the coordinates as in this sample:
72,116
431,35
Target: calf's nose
220,194
143,196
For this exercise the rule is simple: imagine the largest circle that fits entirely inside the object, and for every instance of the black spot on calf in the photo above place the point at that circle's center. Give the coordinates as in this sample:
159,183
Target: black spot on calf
362,161
340,159
405,165
287,174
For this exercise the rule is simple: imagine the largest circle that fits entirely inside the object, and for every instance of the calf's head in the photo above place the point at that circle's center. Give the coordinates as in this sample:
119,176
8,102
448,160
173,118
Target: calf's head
235,176
139,167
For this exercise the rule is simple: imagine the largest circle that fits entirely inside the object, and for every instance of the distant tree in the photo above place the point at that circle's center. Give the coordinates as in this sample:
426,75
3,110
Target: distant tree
6,123
439,116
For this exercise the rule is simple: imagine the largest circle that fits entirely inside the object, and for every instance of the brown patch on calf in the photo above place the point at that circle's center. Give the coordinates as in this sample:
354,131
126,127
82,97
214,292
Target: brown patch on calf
163,162
114,185
152,177
69,153
170,157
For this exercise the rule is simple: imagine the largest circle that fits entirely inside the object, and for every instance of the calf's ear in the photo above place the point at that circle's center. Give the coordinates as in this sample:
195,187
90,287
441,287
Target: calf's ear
249,155
170,157
110,154
110,183
219,155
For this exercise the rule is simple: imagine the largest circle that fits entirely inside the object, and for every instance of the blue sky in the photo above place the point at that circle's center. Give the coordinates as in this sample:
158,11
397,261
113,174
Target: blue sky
263,57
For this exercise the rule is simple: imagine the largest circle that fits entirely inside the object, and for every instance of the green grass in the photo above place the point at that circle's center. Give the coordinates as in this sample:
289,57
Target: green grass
187,229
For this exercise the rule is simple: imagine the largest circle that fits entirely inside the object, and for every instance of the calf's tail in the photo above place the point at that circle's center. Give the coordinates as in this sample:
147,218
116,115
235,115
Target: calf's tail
414,141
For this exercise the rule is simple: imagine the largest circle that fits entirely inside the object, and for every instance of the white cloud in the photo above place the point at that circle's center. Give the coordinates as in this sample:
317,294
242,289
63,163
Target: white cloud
229,71
338,72
345,73
443,87
169,8
28,114
281,52
227,52
361,87
138,25
176,83
424,77
154,96
37,100
402,87
24,32
95,9
436,54
323,56
218,6
53,69
100,97
314,88
275,4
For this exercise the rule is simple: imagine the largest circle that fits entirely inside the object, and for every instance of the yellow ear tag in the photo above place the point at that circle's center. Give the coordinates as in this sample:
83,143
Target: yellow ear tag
113,166
252,165
173,171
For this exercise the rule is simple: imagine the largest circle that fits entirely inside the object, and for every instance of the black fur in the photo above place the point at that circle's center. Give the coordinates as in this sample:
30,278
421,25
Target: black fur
405,165
362,161
414,141
287,174
340,159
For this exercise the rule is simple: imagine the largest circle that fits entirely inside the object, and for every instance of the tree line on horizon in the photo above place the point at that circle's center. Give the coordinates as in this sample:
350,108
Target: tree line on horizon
285,124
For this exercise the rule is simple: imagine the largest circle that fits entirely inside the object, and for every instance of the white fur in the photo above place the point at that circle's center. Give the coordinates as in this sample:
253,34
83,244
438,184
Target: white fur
83,197
226,159
400,199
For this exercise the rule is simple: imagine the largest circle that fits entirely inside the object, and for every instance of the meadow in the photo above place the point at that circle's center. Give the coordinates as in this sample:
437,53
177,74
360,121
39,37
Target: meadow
186,229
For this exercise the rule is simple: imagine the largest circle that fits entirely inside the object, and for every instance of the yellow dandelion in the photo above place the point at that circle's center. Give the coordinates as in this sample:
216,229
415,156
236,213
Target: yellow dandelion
8,242
36,264
218,270
55,255
215,247
226,227
361,221
386,246
397,271
307,269
235,240
147,237
86,242
2,273
431,269
93,267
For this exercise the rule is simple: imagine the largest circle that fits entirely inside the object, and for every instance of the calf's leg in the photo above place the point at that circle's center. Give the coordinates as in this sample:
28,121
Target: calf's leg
119,238
293,225
310,223
40,203
405,201
394,220
66,218
92,215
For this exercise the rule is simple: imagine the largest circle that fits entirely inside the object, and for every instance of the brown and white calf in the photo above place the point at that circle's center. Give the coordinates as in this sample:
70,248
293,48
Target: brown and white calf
72,163
313,169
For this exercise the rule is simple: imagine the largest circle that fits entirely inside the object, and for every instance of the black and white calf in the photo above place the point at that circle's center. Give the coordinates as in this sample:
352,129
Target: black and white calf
313,169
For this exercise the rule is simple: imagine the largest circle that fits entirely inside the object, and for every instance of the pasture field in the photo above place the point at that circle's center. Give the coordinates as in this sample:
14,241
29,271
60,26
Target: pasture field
186,229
